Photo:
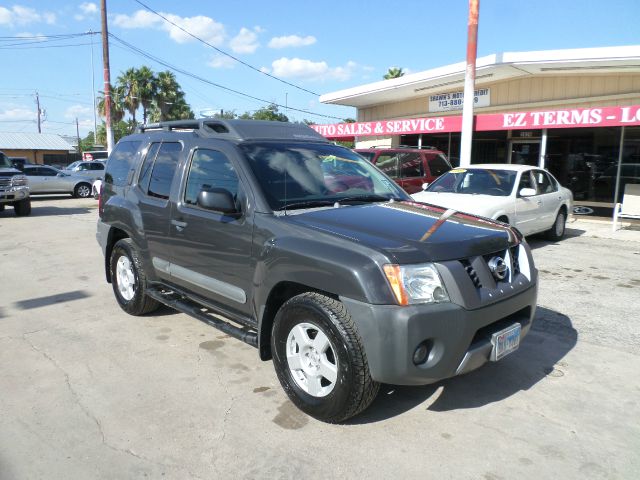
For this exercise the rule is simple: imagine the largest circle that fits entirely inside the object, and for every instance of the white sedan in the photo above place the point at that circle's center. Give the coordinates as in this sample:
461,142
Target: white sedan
526,197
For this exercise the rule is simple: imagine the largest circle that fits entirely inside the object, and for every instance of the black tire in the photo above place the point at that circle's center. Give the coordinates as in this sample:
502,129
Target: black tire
354,389
82,190
503,219
22,207
139,303
556,232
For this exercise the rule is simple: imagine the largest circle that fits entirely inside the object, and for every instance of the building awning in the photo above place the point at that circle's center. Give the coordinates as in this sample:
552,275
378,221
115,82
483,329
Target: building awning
569,118
33,141
489,69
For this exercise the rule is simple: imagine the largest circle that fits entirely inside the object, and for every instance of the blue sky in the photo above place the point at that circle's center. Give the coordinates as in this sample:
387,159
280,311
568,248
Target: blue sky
321,47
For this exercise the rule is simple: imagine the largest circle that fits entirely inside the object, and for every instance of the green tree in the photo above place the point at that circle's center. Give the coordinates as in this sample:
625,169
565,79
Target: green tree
117,105
120,129
129,85
169,102
269,112
393,72
147,87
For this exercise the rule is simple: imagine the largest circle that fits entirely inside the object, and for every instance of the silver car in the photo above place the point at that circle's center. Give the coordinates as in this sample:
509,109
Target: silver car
89,170
46,179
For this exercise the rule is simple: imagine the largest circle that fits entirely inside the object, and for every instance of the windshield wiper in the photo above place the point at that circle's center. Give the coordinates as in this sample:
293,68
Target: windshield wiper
308,204
366,199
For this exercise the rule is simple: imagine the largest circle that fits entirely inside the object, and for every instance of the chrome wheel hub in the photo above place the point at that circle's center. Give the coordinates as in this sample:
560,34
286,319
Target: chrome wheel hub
125,278
311,359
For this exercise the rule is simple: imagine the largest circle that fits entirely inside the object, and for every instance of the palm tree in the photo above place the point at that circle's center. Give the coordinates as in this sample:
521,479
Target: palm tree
130,87
393,72
147,86
117,105
168,93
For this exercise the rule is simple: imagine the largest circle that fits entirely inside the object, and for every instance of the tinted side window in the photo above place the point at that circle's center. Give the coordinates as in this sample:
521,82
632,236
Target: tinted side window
145,171
388,163
163,169
48,172
209,169
543,182
97,166
438,165
411,165
121,161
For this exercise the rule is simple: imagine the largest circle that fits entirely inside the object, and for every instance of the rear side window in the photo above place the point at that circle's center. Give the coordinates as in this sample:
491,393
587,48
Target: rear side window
162,171
388,163
411,165
121,161
438,165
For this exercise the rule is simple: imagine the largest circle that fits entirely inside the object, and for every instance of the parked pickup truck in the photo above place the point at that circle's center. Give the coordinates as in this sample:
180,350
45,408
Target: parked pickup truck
14,188
312,255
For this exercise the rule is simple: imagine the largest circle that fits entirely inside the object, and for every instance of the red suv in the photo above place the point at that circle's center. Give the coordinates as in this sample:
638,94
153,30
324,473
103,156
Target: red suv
409,167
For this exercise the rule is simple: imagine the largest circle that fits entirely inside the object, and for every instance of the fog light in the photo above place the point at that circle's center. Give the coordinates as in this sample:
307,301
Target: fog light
421,354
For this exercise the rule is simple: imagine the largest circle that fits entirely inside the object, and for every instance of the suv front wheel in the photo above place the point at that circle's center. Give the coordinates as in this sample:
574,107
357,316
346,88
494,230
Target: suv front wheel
129,280
320,359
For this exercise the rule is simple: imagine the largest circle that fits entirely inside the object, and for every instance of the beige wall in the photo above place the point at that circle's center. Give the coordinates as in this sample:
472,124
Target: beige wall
527,93
34,156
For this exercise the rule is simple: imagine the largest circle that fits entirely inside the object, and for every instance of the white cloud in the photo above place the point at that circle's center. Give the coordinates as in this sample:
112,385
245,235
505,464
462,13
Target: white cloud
201,26
221,61
87,10
309,70
246,41
17,113
77,111
291,41
19,15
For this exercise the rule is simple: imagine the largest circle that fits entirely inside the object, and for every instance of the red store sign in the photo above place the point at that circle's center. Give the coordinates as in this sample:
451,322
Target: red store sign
570,118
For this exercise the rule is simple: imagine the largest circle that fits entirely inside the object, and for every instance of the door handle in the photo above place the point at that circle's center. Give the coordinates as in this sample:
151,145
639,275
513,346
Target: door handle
179,225
539,202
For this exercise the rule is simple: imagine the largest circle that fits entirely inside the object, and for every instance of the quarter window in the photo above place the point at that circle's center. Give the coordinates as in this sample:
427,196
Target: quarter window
121,162
543,182
411,165
438,165
209,169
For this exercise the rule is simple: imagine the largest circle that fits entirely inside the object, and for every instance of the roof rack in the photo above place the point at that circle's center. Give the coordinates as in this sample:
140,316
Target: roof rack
239,130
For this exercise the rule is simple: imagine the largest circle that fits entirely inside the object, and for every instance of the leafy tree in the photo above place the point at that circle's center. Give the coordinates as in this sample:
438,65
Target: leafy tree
393,72
269,112
147,86
117,105
169,102
129,86
120,129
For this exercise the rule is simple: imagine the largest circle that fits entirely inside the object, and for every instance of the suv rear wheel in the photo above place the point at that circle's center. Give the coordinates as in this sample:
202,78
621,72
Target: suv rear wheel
320,359
129,280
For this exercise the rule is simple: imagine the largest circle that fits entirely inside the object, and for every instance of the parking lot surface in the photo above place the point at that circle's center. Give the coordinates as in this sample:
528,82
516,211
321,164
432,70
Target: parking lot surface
87,391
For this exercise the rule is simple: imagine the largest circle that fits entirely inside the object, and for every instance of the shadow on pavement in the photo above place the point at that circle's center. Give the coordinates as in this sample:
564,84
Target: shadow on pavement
51,300
551,337
538,240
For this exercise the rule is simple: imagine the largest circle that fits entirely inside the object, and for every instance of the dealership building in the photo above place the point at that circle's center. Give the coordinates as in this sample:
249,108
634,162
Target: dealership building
573,112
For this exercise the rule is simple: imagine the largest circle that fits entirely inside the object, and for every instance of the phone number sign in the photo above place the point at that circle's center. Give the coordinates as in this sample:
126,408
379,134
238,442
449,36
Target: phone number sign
444,102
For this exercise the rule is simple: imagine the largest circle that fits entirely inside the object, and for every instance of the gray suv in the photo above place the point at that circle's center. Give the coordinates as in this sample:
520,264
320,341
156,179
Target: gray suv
14,188
308,252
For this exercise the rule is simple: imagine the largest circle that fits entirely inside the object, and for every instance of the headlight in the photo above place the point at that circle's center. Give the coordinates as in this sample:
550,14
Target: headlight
416,284
19,181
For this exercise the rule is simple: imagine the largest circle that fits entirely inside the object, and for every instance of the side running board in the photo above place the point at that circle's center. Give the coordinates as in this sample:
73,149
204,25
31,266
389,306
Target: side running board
204,314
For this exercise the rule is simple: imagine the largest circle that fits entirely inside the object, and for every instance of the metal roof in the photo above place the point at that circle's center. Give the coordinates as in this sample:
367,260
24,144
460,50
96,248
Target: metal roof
33,141
500,66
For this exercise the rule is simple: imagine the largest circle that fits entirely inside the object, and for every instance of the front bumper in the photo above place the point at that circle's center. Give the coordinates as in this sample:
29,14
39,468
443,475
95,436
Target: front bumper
14,194
459,340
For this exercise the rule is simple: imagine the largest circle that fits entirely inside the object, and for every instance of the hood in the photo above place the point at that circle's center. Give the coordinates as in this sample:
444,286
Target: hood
409,232
477,204
9,171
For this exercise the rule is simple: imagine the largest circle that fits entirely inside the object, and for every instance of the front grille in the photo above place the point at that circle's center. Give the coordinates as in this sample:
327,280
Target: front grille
5,182
514,259
473,275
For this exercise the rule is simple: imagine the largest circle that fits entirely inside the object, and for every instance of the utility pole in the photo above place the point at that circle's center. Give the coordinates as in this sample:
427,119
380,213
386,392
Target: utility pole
107,75
93,92
469,84
78,136
39,113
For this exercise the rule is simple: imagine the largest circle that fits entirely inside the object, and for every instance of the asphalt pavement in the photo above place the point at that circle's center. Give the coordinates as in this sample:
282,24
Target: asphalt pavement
87,391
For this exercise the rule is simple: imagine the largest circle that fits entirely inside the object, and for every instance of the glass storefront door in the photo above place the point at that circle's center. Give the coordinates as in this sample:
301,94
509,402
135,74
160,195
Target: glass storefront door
524,152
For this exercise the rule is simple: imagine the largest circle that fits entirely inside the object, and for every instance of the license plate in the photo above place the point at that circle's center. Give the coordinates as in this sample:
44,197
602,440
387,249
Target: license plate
505,341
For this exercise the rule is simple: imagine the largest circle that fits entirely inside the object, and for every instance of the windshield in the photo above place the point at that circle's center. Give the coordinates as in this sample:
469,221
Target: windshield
72,165
5,162
294,175
498,183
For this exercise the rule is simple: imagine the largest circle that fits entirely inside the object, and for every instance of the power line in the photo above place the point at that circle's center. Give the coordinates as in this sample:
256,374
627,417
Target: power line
222,51
43,46
204,80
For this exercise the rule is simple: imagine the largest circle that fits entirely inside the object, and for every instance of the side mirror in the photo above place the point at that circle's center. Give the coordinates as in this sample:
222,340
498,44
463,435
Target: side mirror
424,186
60,174
527,192
218,199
